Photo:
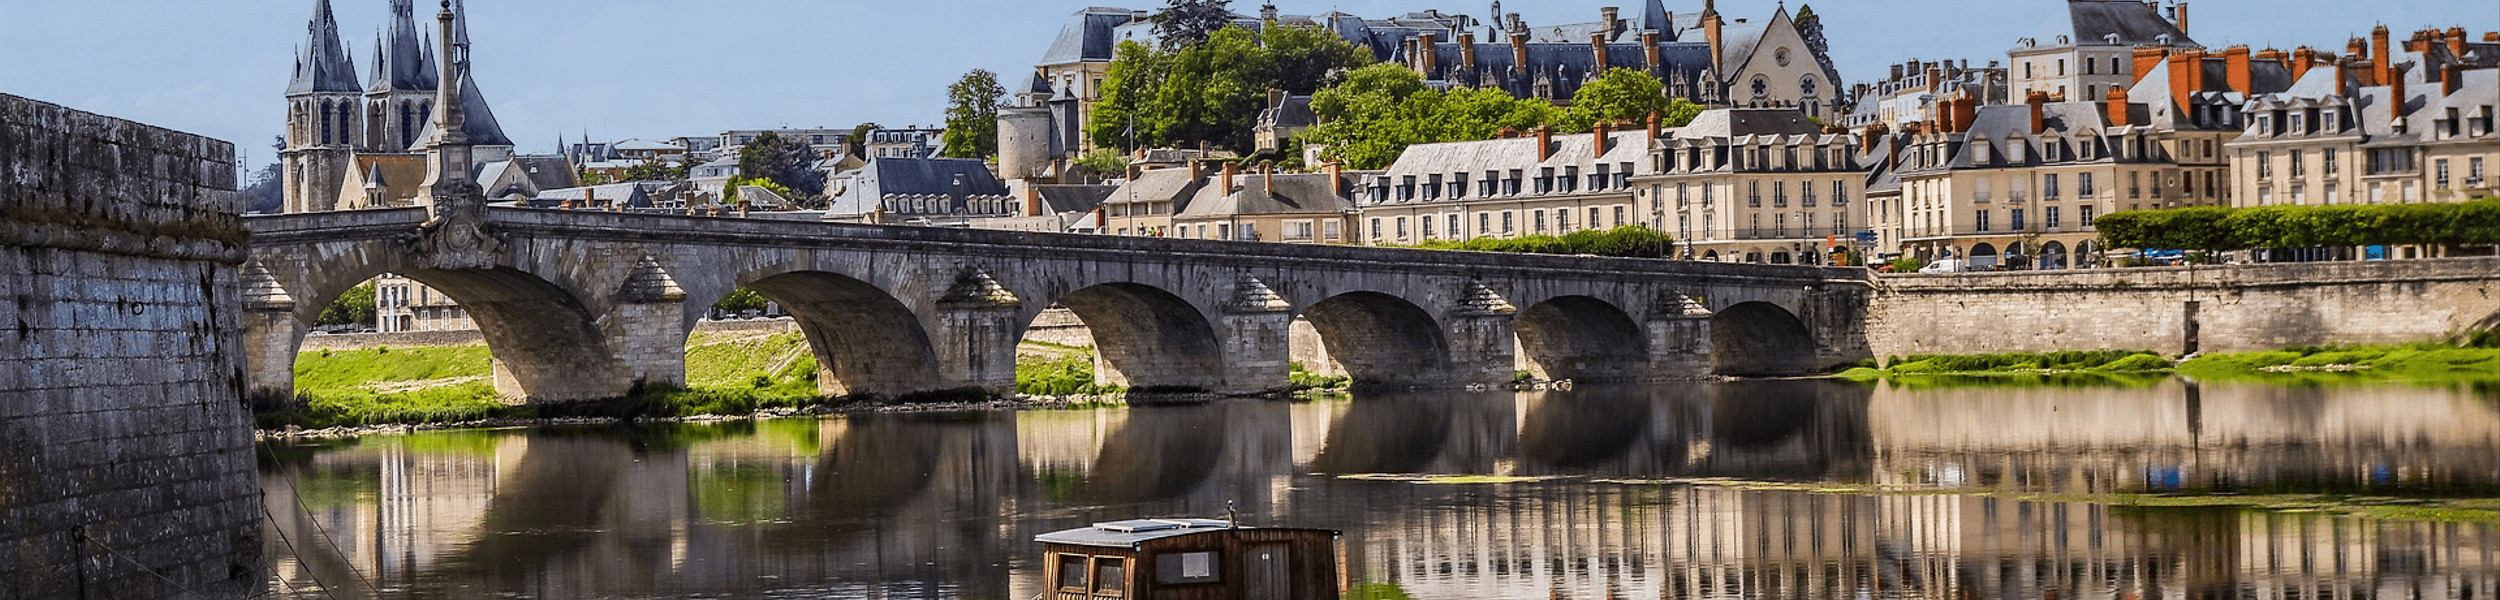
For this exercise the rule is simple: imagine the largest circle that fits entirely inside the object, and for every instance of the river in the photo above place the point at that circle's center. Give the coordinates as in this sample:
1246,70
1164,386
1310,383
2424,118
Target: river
1670,491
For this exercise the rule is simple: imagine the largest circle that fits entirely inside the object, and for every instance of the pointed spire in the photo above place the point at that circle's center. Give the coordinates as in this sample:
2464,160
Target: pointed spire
405,63
460,35
322,65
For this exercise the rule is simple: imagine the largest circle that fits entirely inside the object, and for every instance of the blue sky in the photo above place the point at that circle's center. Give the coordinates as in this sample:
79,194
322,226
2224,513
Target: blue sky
664,68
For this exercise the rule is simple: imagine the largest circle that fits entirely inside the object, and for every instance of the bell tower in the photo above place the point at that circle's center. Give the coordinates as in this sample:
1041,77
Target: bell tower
323,117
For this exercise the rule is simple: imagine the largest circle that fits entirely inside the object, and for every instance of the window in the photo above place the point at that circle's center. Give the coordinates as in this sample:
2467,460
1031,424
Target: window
2083,185
1453,221
2326,162
1537,218
2298,169
1484,223
1110,575
2474,171
2051,220
2135,185
2087,215
1509,222
1224,231
1805,194
1427,228
1401,228
1188,567
1376,232
1335,230
2048,187
1779,194
2061,67
1979,222
1562,220
2265,165
2015,218
1598,181
1753,196
1683,194
1840,193
2265,195
1570,179
1072,571
2440,176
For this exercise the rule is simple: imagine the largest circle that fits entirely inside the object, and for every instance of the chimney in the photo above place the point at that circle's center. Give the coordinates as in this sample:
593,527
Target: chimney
1613,18
2456,42
1544,142
2236,60
2378,57
1275,98
1651,60
1935,78
1336,178
2038,100
1428,54
2491,37
2117,106
1966,112
2147,57
2451,78
2187,76
1467,51
2302,59
2396,93
1267,179
1605,131
1519,52
1710,33
590,196
1230,169
1597,48
1656,127
1032,201
1945,115
2181,12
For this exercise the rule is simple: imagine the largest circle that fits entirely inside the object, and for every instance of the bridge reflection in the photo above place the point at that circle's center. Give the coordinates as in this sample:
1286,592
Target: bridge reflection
943,505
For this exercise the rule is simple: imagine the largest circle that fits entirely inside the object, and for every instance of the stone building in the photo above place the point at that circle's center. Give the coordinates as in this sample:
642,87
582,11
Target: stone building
1293,208
2084,62
2380,124
1703,57
349,144
1538,184
1758,185
1145,204
1916,87
943,192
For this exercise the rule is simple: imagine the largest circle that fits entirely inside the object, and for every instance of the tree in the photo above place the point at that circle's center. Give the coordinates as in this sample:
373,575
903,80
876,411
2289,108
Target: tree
972,115
1303,57
659,170
1625,95
1130,90
353,307
1186,23
1374,113
790,163
1212,92
857,143
742,300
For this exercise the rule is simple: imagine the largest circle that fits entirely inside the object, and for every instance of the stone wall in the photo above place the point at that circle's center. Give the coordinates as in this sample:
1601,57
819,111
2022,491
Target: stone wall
472,337
2228,309
126,466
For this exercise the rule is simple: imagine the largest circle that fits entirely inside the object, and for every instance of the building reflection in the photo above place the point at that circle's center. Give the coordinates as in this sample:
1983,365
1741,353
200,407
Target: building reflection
944,506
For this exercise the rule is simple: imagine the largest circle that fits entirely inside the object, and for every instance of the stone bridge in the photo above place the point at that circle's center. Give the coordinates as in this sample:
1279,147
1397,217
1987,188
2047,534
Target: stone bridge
580,305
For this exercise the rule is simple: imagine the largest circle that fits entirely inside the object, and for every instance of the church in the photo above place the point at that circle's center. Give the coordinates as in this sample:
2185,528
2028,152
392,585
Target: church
353,142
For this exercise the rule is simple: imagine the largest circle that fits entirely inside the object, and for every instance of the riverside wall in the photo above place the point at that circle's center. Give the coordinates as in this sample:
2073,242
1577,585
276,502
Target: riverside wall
126,466
2180,310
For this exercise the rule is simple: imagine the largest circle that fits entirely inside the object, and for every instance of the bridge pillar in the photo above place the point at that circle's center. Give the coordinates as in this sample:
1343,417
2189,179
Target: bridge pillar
1679,337
650,327
976,335
1257,332
1484,339
271,333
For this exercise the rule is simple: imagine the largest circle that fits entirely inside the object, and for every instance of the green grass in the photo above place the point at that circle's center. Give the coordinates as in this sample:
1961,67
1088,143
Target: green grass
2023,366
346,369
2335,364
1303,380
1066,373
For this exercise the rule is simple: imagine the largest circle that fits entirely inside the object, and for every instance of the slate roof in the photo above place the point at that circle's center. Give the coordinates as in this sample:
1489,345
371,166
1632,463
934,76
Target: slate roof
1295,194
1062,199
1296,112
1089,35
1128,534
2136,23
932,176
1174,185
1571,149
402,61
323,65
477,121
1738,122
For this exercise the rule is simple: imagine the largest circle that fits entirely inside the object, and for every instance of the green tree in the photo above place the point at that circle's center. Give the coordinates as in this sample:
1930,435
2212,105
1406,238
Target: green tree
972,115
1376,112
1810,27
1131,89
857,143
659,170
1303,57
1625,95
353,307
1211,92
741,300
1185,23
790,163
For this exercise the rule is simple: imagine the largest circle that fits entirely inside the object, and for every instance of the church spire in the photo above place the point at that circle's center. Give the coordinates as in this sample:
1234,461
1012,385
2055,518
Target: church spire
323,66
406,64
447,149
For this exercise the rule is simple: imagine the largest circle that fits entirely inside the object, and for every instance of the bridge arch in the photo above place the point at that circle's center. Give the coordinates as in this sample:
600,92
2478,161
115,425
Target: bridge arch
866,341
1760,338
546,345
1379,340
1582,338
1145,337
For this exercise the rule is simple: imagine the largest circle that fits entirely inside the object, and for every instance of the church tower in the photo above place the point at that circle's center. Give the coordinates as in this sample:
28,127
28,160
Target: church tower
401,97
323,117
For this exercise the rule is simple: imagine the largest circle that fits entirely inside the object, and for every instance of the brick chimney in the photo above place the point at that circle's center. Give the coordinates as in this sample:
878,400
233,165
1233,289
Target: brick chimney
1230,170
2182,17
1612,17
2235,60
1946,116
1467,51
2117,106
2147,57
2456,42
1657,126
1336,178
1605,132
1710,33
2187,76
2378,57
1544,142
2451,78
1597,48
1935,78
2039,101
2302,59
1267,179
1032,202
1426,53
1966,112
2396,93
1650,59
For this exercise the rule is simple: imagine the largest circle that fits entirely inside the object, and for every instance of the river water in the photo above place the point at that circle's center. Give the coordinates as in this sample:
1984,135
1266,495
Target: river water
1649,492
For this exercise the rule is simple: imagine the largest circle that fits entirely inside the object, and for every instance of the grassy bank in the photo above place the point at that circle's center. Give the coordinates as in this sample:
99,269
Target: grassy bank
2473,507
726,375
2427,362
2012,364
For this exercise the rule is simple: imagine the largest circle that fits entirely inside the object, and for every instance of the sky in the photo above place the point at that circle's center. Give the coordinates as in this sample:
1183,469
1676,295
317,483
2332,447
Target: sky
655,69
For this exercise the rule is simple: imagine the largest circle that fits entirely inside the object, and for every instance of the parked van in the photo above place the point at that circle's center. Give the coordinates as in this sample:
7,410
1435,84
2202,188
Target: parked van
1950,265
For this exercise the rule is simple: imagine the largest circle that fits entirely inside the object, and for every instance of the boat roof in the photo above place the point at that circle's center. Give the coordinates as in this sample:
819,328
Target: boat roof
1128,534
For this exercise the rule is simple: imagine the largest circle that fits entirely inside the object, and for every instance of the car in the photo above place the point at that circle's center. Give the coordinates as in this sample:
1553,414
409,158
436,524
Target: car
1950,265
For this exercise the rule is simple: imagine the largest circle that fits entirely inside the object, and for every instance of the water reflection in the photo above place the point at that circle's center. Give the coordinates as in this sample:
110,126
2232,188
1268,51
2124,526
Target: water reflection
944,506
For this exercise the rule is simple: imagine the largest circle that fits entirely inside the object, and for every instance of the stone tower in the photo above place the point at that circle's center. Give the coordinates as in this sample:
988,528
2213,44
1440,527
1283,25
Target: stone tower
324,117
401,96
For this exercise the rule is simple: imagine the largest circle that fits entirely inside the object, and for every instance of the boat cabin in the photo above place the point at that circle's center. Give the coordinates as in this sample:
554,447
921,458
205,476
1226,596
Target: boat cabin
1189,559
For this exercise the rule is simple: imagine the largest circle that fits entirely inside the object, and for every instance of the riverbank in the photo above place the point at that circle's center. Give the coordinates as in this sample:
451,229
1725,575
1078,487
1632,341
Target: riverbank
2424,362
2392,506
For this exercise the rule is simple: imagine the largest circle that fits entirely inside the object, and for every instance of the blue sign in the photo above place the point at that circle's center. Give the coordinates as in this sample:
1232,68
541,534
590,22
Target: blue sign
1866,237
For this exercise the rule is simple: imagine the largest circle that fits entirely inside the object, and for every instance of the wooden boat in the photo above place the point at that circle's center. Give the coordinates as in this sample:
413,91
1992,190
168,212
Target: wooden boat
1189,559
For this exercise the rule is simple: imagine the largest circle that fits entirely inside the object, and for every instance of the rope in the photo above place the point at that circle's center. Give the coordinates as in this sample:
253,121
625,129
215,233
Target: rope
290,548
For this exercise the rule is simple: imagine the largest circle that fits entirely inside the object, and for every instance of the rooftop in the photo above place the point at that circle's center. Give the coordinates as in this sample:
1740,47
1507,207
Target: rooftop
1128,534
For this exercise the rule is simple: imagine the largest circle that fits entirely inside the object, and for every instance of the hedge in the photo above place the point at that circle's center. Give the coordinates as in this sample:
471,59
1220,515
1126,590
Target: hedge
2218,229
1633,241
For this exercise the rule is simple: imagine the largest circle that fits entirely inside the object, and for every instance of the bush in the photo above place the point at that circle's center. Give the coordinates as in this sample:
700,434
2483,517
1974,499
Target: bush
1631,241
2216,228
